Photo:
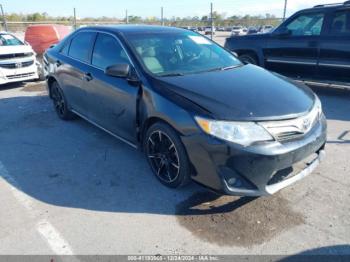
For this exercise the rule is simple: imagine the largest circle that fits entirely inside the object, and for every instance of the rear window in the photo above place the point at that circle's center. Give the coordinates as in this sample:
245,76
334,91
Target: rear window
341,23
9,40
81,45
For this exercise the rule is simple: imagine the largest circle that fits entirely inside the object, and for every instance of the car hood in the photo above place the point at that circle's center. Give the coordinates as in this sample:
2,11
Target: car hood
246,93
15,49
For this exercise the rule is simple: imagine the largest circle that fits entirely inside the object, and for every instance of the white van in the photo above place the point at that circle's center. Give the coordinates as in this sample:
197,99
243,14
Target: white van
17,60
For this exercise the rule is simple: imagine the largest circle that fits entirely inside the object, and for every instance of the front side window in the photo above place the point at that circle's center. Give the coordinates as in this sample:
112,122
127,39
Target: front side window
341,23
9,40
306,24
80,46
108,51
180,53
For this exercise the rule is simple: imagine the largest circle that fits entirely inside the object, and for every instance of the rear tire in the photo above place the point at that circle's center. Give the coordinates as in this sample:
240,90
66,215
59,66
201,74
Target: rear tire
249,59
167,156
60,102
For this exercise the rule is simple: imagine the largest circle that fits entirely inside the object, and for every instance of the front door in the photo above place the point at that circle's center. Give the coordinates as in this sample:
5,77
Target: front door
296,52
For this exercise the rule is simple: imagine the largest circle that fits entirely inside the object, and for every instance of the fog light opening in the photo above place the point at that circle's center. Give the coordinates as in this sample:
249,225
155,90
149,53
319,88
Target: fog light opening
234,182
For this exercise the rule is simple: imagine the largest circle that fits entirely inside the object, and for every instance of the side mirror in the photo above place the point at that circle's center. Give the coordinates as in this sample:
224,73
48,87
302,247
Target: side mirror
284,31
118,70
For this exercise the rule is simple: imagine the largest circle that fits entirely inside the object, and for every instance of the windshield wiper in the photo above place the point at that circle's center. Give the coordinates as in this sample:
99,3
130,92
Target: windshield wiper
172,74
221,68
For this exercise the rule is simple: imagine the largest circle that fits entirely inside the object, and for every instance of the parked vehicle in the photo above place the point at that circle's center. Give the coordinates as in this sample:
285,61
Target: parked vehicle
252,30
238,31
41,37
196,111
221,29
194,29
311,46
207,30
266,29
17,60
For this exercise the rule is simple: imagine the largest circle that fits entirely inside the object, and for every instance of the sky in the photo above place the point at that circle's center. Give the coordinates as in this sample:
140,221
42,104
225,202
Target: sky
151,8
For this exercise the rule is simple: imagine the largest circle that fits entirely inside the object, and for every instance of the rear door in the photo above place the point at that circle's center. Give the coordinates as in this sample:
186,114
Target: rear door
334,63
71,65
111,100
296,54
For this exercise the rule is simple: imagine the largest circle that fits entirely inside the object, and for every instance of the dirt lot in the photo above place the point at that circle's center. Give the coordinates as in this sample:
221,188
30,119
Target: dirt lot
69,188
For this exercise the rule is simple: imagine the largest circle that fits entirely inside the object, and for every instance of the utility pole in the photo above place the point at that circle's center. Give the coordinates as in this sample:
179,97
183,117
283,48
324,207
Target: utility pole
126,16
162,15
211,21
75,19
285,10
3,18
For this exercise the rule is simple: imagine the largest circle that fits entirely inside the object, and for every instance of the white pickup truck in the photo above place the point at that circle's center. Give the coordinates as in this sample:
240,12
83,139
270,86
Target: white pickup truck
17,60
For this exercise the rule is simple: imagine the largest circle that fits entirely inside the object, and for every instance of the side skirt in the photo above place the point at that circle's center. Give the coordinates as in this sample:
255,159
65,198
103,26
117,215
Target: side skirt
107,131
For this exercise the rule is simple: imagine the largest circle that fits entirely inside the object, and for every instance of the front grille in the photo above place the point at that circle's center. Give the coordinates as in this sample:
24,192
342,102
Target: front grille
20,76
284,136
16,55
287,130
17,65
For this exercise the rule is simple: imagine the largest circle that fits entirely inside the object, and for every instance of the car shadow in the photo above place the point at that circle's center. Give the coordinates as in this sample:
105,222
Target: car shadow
12,85
338,253
74,164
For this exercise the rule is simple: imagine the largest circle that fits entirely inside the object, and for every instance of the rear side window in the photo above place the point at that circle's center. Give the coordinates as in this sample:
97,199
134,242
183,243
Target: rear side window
341,23
306,24
80,46
108,51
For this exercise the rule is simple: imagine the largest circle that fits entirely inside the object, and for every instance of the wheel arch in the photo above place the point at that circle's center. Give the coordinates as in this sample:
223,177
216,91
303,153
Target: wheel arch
50,80
250,52
155,119
148,122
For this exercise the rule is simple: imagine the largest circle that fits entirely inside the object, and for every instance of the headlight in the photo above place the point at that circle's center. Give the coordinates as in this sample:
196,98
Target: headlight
243,133
318,107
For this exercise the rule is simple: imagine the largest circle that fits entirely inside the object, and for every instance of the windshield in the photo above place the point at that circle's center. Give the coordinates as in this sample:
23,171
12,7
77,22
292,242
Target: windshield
8,40
180,53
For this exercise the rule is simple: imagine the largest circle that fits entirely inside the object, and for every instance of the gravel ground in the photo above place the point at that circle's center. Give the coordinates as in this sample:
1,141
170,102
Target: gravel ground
69,188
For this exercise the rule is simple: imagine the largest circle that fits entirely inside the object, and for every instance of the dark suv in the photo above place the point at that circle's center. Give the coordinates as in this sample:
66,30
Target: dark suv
313,45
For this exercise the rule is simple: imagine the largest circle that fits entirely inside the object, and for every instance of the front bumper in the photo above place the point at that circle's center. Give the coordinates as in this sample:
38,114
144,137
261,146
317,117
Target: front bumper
10,75
251,171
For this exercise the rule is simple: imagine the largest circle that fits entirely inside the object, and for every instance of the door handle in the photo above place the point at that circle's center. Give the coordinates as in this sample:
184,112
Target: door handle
87,77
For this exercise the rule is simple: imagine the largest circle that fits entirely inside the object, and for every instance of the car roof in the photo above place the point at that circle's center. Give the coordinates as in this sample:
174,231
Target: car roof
328,6
135,29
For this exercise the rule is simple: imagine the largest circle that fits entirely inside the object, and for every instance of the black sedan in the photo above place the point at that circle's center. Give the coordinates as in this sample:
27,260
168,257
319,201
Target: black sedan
196,111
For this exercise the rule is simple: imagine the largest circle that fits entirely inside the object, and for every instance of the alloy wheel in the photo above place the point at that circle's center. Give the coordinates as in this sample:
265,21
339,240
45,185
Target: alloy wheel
58,101
163,156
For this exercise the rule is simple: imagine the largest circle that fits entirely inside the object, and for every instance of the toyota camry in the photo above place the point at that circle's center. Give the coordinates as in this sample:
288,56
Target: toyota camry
191,106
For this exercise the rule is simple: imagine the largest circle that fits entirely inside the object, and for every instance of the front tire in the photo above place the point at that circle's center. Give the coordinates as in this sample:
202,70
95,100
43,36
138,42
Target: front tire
167,156
60,102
